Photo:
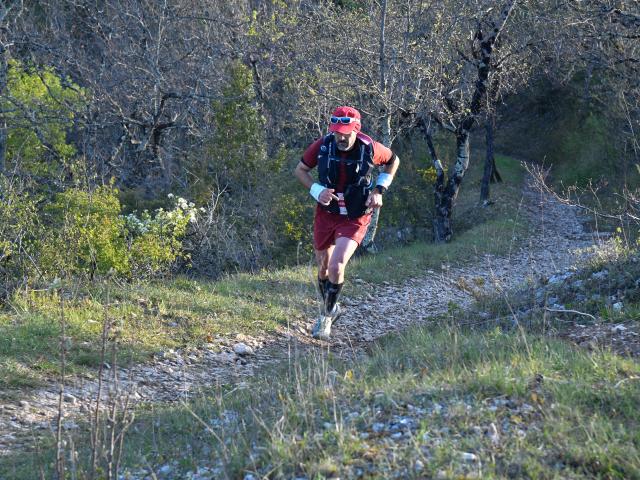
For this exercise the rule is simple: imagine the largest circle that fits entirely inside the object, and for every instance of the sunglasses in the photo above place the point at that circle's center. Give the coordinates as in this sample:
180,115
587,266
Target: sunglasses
344,120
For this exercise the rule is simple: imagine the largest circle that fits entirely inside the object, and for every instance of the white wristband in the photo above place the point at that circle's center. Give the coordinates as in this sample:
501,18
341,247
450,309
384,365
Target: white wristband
384,180
315,191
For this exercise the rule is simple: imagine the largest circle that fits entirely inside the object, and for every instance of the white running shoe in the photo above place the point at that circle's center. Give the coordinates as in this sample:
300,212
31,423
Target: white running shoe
322,328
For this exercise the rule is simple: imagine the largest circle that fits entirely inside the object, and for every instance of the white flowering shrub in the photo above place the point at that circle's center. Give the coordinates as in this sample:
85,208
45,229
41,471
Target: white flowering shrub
101,239
155,240
83,233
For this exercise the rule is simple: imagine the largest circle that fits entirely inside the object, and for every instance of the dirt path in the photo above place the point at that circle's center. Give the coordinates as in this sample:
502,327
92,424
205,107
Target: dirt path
558,244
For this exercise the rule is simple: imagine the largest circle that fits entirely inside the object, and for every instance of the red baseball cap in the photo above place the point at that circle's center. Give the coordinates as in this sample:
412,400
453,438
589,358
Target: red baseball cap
341,115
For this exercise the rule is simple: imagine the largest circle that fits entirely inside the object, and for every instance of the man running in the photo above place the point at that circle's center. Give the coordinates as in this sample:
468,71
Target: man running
346,197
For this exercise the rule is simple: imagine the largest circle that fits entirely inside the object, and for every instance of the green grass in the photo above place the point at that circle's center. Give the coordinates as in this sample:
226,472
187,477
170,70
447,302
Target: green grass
558,411
590,168
179,312
477,231
609,276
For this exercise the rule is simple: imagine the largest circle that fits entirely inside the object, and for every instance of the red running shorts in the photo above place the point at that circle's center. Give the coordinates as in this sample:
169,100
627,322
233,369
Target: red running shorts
328,226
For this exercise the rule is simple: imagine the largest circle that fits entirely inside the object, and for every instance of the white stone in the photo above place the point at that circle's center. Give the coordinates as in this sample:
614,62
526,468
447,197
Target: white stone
67,397
469,457
555,279
70,425
600,275
165,470
242,349
377,427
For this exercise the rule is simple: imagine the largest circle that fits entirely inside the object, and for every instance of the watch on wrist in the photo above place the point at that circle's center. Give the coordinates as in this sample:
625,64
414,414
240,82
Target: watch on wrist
380,189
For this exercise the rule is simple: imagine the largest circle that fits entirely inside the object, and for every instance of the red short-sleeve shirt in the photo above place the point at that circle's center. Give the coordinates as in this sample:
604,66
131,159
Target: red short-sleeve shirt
329,226
381,156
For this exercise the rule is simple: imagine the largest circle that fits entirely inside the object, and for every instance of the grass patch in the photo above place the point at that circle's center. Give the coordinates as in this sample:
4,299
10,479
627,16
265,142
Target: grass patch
554,126
434,402
496,237
590,169
605,290
181,312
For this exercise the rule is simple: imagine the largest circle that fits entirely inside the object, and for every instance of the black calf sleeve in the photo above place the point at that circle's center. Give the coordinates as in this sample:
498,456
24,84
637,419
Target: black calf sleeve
322,287
333,292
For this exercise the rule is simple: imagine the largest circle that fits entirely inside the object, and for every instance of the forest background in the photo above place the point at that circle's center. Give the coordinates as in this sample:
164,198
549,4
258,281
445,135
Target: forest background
153,137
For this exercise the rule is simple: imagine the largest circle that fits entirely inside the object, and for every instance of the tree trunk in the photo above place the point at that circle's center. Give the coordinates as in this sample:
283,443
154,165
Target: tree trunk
445,196
491,174
386,116
438,186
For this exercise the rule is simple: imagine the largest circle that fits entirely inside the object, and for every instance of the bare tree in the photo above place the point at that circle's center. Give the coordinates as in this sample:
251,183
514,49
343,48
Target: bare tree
152,69
156,73
460,113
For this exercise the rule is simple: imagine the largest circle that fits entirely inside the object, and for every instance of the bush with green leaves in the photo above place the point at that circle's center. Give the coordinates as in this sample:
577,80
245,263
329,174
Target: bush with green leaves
292,218
236,151
88,235
18,226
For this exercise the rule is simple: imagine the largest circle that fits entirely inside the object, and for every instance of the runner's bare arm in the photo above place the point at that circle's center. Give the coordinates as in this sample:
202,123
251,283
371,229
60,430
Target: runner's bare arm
392,167
302,174
375,198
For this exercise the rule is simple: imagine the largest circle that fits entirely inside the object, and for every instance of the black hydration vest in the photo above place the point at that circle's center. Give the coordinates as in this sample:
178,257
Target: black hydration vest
358,170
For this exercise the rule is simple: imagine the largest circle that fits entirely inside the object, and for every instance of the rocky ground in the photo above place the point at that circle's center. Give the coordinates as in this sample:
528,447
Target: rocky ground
558,245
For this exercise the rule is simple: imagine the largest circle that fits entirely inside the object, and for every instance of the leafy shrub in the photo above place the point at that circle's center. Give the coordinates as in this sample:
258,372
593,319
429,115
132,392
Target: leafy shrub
18,225
155,242
410,198
90,236
585,152
292,223
87,234
236,150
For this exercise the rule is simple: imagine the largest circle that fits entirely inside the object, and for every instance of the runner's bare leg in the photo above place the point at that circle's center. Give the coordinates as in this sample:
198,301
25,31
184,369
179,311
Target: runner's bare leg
343,250
322,259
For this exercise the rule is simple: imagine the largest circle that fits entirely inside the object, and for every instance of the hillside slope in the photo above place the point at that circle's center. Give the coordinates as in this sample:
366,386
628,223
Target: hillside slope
376,308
